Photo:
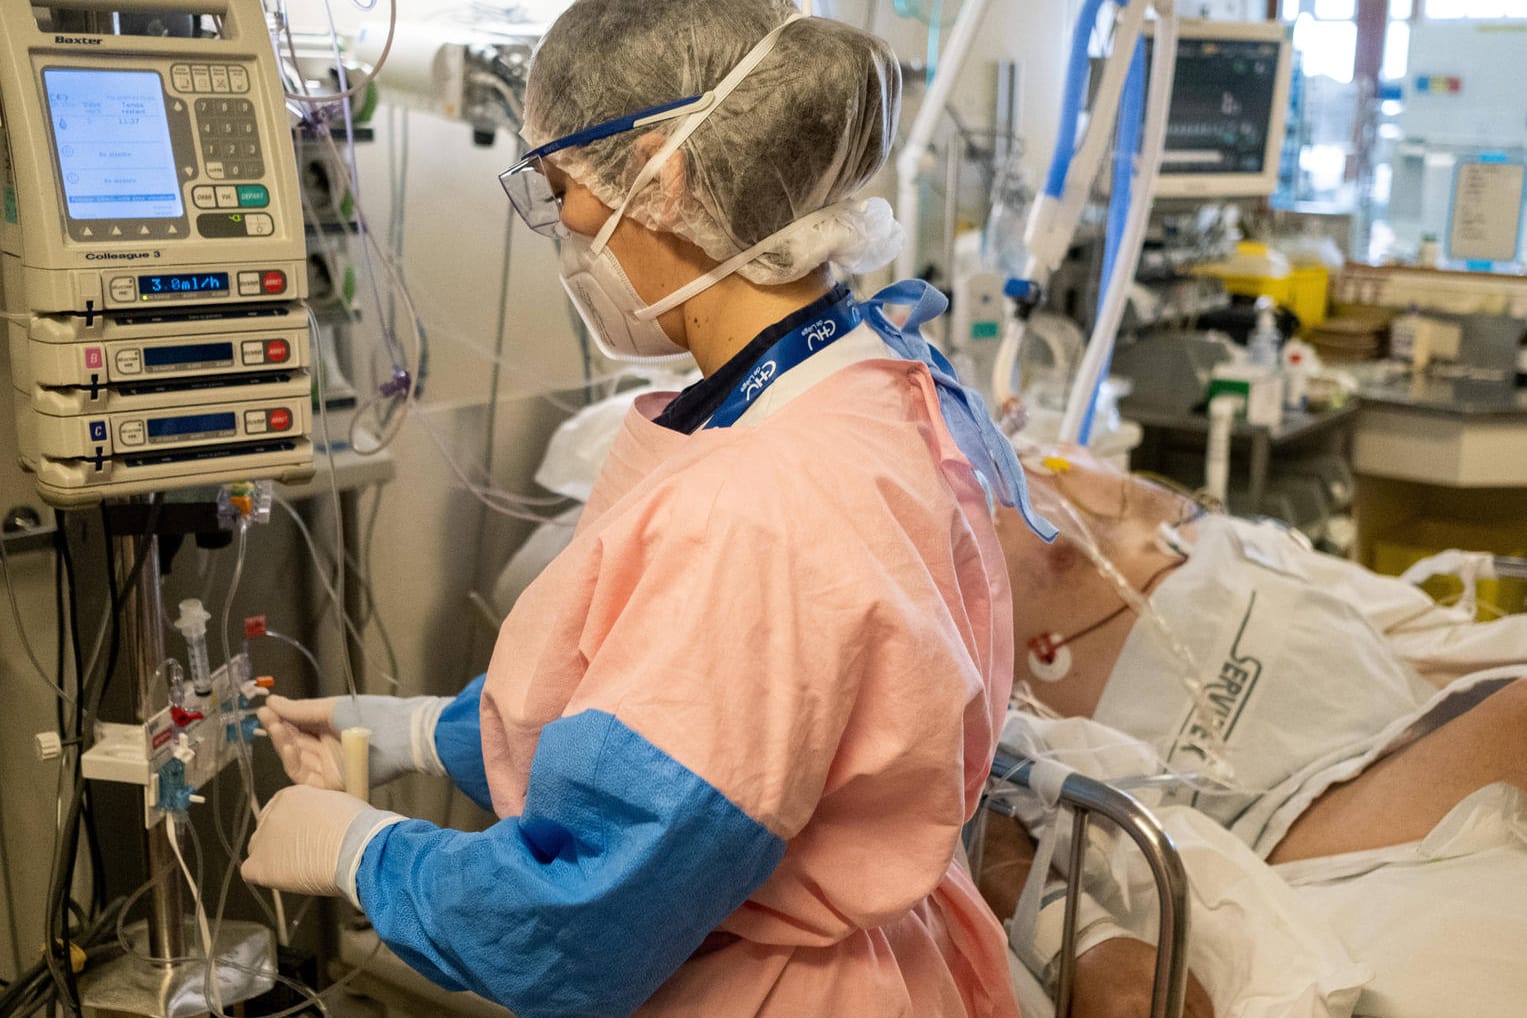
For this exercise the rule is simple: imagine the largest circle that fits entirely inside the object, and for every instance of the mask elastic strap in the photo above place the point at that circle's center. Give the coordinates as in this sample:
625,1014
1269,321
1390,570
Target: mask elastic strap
681,134
702,283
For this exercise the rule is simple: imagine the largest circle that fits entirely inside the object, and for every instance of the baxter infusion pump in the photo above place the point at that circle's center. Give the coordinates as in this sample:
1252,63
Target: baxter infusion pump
152,254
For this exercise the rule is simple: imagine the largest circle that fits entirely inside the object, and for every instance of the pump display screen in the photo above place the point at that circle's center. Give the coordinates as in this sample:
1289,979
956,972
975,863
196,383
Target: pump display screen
112,139
192,424
187,354
1222,106
184,282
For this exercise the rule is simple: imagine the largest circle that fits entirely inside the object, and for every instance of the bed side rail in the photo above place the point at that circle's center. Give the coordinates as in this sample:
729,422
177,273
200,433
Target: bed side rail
1508,566
1083,797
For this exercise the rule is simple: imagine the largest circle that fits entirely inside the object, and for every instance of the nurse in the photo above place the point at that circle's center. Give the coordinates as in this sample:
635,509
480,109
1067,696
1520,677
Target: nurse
733,731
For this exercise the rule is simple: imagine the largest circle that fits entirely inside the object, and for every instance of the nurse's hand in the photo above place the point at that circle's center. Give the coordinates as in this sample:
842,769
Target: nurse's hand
1114,980
309,841
306,735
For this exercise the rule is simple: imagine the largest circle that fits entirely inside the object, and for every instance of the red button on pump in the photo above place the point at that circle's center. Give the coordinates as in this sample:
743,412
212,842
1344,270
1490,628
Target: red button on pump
274,281
277,351
280,420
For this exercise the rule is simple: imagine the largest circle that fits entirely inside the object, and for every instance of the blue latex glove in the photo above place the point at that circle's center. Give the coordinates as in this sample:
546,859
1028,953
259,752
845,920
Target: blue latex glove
306,734
310,841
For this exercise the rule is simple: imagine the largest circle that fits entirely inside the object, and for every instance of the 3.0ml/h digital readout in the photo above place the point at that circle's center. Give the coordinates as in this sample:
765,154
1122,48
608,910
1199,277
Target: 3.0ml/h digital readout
199,282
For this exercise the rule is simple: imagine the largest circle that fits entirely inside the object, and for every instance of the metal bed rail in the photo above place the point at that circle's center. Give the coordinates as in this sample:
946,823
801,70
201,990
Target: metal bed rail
1510,567
1084,796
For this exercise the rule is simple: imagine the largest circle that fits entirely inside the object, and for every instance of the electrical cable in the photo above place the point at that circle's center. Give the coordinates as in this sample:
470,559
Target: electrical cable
21,629
89,693
150,527
60,635
33,980
97,856
114,603
66,837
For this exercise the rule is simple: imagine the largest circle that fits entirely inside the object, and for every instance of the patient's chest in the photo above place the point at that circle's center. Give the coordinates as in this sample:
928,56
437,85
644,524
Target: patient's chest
1253,662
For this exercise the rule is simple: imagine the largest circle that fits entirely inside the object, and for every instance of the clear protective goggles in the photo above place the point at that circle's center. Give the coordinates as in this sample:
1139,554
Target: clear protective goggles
529,189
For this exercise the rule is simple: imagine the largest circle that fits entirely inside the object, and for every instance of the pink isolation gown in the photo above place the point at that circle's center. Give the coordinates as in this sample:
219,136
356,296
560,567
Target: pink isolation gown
812,615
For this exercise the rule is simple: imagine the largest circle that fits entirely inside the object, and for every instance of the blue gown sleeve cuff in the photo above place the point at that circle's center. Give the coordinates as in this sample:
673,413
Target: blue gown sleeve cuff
458,743
621,864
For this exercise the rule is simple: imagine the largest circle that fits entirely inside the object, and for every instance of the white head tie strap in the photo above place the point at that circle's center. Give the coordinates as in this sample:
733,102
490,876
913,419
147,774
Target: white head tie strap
680,135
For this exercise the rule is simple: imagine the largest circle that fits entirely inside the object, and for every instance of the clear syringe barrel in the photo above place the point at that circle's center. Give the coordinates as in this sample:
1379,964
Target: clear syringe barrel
193,628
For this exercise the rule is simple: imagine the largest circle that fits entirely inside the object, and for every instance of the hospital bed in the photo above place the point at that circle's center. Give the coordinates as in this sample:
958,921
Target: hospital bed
1084,797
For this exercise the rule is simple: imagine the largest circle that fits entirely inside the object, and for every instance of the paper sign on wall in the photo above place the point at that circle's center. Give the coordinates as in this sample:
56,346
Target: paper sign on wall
1487,211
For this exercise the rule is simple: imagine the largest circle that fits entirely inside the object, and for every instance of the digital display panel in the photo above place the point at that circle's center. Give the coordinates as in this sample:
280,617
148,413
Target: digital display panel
191,424
1222,106
191,353
183,282
112,139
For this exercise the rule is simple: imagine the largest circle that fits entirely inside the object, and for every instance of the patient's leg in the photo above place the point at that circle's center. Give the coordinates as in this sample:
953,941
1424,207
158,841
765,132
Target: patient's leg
1403,796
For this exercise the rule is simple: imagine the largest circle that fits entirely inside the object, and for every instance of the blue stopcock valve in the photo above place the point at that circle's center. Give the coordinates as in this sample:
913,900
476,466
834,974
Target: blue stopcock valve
174,793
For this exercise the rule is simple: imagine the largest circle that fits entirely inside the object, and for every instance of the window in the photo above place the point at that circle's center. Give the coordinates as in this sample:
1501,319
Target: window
1396,50
1335,10
1448,10
1326,47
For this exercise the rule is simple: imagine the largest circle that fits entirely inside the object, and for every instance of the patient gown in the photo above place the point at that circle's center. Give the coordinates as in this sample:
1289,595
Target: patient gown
733,733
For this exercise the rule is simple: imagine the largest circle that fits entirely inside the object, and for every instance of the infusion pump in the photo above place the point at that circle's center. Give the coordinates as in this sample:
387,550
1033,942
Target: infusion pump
152,251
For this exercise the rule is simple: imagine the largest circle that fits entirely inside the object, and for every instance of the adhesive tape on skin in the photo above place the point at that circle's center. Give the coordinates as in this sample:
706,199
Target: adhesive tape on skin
1057,668
1056,464
1046,466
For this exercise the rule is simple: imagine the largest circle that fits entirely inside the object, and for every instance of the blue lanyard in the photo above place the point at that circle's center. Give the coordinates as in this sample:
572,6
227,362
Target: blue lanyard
789,352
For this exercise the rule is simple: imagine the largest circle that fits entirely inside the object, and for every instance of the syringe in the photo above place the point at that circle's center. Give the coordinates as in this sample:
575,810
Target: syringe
193,627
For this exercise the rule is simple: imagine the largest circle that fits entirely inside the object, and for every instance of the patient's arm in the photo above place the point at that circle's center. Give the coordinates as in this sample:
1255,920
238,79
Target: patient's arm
1114,978
1403,796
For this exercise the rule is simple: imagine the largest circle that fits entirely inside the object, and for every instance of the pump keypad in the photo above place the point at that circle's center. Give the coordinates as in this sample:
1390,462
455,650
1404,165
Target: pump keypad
229,136
227,78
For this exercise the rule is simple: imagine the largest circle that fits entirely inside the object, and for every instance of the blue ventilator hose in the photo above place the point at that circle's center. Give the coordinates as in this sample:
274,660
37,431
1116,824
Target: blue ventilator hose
1126,152
1077,73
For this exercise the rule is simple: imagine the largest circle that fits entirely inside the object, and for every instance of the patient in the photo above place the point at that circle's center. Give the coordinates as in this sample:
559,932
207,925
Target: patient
1339,700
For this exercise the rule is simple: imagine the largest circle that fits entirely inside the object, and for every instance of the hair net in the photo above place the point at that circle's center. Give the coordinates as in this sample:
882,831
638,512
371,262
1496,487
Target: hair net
806,129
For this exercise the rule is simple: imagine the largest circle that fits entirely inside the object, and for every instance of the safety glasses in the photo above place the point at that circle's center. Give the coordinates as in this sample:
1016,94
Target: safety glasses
526,183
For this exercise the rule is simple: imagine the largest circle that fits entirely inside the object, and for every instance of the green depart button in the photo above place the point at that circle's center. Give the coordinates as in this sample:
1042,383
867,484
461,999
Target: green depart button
253,196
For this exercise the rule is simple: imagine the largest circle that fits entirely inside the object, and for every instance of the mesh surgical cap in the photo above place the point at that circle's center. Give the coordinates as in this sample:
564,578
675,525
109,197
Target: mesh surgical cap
806,129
